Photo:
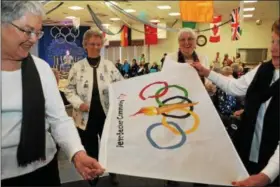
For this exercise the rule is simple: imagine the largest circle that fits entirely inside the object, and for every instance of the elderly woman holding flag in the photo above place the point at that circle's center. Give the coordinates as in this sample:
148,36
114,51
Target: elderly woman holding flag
186,53
33,115
257,140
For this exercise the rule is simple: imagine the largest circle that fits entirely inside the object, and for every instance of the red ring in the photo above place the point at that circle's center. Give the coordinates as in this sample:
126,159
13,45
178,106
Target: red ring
154,96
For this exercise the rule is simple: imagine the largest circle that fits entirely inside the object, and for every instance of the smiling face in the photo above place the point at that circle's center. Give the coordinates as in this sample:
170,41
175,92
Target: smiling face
16,43
93,46
187,43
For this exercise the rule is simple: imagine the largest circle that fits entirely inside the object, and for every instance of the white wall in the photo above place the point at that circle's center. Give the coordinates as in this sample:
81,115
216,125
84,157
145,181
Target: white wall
253,36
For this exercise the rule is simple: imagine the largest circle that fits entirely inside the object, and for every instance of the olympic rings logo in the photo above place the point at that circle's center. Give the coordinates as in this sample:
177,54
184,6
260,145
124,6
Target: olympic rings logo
164,109
64,34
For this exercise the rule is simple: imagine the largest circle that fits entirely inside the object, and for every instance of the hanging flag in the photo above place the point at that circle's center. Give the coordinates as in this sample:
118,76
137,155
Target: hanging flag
126,36
186,24
235,24
197,11
215,31
151,37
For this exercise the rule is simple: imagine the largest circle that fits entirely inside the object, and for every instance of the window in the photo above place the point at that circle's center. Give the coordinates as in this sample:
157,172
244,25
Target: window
253,56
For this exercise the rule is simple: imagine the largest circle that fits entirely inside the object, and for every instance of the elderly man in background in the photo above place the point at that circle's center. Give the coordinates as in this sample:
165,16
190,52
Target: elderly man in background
33,115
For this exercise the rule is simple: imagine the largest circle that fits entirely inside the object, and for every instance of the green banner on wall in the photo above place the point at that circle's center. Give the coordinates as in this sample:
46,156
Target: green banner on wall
186,24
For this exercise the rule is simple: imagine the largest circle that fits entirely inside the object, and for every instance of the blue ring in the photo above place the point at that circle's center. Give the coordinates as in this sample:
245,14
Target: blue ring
154,144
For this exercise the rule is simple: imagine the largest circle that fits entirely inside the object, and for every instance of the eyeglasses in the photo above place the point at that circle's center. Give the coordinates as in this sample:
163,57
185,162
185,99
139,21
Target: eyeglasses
29,33
188,39
94,44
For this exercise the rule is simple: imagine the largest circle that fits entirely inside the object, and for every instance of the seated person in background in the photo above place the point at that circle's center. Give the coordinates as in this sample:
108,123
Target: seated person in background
125,68
141,70
119,65
134,68
146,68
225,104
154,68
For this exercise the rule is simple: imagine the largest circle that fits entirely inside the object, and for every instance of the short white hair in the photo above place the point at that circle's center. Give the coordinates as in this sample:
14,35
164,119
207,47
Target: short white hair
14,10
92,33
187,30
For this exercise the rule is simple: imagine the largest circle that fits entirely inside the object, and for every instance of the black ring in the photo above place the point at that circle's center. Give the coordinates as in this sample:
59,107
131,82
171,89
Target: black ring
174,116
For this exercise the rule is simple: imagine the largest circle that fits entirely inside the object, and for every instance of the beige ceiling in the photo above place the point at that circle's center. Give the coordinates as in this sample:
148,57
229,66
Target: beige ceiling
264,10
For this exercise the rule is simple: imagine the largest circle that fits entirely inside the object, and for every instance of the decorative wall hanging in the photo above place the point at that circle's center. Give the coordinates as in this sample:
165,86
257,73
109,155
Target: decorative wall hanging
215,31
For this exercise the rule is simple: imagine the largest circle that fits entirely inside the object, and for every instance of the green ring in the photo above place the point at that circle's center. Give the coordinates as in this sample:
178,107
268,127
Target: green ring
170,86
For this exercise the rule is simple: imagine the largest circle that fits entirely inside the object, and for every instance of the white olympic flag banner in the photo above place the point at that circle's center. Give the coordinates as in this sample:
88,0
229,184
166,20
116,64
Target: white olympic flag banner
164,125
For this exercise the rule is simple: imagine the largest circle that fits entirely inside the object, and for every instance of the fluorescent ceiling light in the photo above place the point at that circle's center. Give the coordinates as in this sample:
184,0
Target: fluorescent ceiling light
164,7
76,8
248,15
250,1
130,10
115,19
113,2
154,21
70,17
248,9
174,14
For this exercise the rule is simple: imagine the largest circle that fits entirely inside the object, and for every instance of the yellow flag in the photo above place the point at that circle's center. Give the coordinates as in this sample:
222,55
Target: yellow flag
197,11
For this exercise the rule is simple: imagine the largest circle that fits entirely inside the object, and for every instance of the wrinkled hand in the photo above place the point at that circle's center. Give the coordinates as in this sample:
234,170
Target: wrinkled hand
260,179
88,167
238,112
202,71
84,107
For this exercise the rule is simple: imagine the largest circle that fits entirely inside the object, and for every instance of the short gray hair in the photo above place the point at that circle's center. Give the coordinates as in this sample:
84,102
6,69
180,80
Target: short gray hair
92,33
14,10
227,70
217,69
187,30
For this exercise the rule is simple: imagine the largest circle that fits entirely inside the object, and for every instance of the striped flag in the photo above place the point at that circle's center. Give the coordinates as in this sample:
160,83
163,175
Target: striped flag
215,31
197,11
126,36
235,25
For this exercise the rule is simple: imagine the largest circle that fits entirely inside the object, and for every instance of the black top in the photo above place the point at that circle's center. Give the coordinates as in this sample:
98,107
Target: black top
96,112
93,61
259,91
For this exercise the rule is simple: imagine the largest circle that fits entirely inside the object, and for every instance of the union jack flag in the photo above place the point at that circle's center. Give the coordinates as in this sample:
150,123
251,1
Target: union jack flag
235,24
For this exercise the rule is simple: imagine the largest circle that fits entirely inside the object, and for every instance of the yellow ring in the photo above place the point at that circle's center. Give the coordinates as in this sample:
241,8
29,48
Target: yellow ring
175,131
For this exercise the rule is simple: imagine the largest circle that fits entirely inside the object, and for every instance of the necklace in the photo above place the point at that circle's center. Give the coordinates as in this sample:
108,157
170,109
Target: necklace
95,66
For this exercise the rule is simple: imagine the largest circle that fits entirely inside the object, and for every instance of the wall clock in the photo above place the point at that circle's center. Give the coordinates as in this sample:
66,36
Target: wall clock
201,40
